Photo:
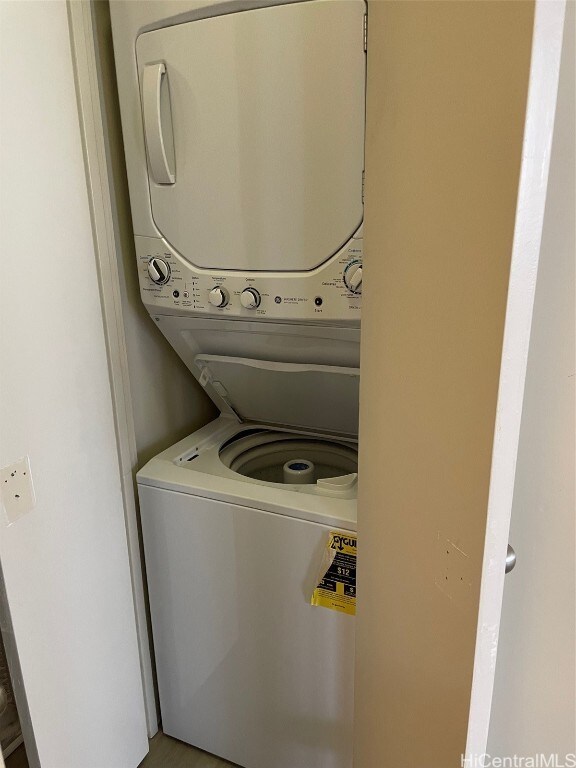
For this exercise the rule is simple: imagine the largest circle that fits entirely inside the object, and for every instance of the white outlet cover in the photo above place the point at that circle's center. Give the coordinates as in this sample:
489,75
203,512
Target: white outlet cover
16,490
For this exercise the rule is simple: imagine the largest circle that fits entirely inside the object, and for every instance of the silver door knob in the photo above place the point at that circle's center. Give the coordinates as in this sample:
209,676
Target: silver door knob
510,560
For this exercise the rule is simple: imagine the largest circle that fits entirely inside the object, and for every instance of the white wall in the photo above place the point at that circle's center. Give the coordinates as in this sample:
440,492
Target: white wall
65,564
534,699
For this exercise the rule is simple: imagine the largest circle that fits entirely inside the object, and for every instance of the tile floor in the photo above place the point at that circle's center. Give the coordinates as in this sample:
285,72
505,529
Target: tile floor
165,752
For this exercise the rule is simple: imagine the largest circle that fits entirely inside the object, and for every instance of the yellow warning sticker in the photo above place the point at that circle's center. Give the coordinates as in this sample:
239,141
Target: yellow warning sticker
337,577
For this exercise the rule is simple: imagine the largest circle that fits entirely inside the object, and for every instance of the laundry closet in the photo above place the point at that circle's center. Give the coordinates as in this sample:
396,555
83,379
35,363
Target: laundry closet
244,139
270,185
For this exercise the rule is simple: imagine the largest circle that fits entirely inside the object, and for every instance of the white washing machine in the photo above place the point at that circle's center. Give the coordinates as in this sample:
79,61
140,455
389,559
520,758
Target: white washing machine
243,128
247,668
236,519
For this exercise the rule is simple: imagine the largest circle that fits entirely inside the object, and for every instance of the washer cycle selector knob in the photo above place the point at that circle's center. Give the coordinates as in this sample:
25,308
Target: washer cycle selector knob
250,298
218,296
159,271
353,277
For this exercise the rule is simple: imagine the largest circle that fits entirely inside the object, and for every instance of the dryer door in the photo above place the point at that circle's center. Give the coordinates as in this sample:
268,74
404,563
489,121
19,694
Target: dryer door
254,125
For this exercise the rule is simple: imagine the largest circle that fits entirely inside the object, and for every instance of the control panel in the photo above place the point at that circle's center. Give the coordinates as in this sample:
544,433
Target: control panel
329,293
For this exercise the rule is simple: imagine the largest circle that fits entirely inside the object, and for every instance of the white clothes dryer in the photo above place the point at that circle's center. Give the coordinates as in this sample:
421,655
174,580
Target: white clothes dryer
243,127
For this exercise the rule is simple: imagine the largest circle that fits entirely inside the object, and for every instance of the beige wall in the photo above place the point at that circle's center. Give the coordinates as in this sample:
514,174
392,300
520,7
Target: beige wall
534,698
447,85
167,401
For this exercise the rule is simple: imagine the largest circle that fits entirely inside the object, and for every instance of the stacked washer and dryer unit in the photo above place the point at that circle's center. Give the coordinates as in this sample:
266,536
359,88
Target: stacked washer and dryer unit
244,136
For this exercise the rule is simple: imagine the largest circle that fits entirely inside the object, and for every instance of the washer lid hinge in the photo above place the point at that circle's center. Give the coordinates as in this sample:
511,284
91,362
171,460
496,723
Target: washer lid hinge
365,31
206,378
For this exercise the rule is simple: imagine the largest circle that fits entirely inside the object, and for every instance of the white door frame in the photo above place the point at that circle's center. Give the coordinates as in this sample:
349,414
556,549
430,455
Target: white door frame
536,151
106,245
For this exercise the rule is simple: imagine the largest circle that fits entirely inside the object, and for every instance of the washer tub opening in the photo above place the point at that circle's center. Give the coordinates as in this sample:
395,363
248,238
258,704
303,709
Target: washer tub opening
286,458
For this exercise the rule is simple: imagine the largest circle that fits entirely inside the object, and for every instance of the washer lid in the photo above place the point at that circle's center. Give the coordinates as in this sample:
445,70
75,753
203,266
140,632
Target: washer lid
319,398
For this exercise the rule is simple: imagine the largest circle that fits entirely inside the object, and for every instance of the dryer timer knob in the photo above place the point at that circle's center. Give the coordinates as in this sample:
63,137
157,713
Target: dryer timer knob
218,296
159,271
250,298
353,277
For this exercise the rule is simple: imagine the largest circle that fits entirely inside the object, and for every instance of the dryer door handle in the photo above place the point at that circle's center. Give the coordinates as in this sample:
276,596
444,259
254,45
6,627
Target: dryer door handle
152,83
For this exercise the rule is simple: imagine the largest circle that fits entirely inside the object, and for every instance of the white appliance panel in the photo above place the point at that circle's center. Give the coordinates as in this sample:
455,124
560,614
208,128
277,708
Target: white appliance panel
254,126
248,669
319,296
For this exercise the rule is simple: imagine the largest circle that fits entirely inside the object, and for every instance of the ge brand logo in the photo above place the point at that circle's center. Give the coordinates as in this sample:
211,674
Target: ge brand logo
278,299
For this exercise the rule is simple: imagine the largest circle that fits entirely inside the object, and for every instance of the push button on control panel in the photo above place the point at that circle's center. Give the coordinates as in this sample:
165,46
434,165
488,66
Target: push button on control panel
159,271
250,298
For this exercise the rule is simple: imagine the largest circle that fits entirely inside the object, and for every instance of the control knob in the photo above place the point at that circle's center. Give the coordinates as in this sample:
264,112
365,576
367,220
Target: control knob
159,271
218,296
250,298
353,277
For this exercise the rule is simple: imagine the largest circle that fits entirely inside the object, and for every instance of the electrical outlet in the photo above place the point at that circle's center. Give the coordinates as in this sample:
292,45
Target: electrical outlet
16,490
